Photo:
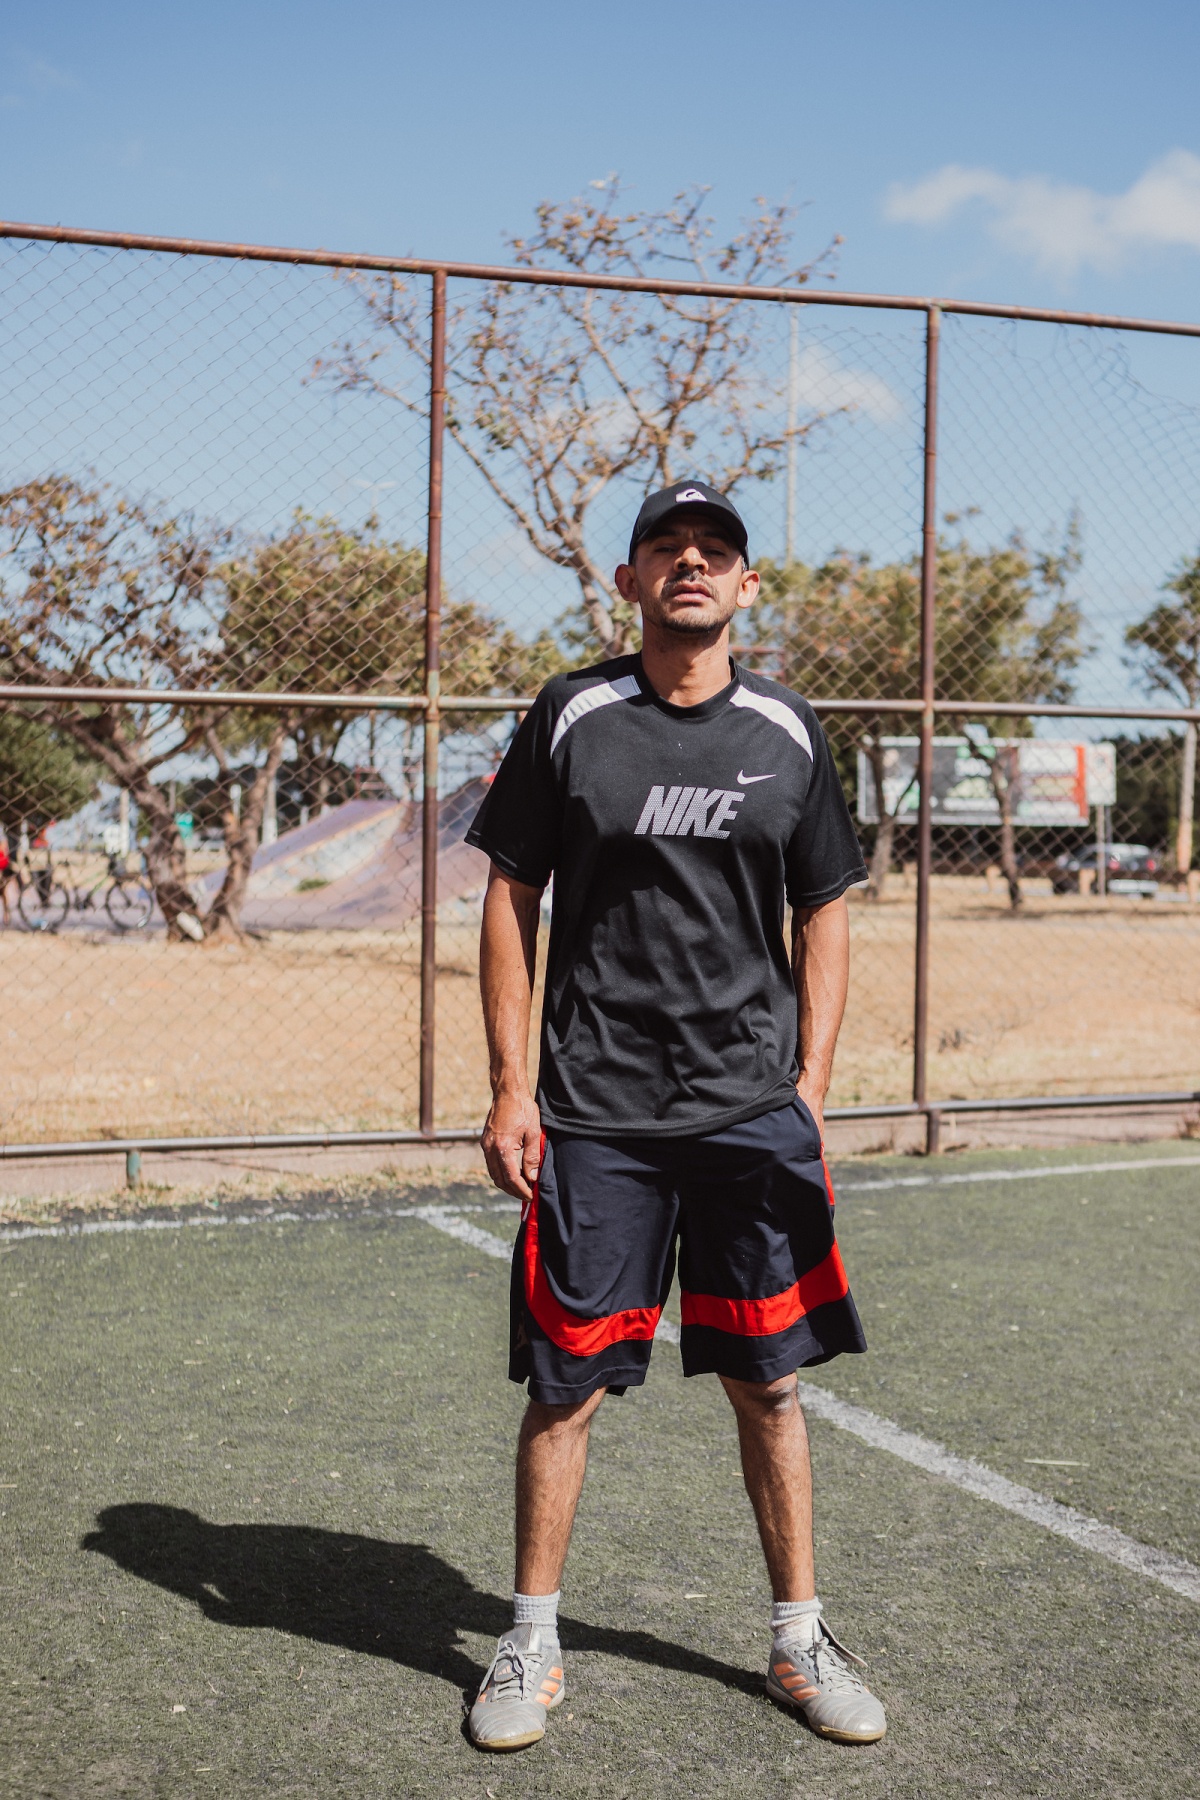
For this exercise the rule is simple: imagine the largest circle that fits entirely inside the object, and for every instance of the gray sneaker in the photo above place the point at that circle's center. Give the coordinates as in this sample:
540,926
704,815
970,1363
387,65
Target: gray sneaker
523,1683
818,1681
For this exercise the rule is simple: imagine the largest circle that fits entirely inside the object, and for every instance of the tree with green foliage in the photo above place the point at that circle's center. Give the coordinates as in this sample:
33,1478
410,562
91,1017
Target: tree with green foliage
1147,810
100,592
330,608
1165,648
42,775
1006,631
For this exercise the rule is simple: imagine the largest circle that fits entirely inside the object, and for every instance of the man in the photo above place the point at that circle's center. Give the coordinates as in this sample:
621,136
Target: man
680,803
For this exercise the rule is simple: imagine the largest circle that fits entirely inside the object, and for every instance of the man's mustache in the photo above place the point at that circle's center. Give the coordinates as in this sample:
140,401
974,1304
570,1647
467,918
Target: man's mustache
689,581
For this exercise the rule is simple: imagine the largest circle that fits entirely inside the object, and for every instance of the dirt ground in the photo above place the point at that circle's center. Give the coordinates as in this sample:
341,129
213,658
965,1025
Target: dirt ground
109,1037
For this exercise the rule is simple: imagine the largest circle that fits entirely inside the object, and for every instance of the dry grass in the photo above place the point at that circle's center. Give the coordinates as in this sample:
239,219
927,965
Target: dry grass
249,1191
320,1030
1068,996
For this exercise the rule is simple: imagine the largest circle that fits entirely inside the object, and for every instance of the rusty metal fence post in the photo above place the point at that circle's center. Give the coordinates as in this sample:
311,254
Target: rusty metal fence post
433,647
925,754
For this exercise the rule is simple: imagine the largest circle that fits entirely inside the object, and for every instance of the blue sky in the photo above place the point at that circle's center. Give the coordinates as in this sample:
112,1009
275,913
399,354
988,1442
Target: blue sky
1072,128
1044,154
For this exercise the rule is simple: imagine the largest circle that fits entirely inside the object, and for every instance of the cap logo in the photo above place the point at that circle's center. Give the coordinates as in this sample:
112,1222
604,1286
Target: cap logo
690,494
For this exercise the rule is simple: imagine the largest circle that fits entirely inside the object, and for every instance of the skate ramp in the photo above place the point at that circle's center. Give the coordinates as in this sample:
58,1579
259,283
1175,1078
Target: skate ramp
369,865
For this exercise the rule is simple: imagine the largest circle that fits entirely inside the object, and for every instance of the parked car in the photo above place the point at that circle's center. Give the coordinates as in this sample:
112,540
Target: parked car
1128,869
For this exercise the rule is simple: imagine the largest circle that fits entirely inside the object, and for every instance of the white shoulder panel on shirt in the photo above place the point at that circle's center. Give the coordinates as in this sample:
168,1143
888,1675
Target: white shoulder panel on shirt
777,712
603,694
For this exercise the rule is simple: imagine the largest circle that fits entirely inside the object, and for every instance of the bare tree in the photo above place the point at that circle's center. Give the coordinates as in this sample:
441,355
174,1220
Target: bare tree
100,592
555,393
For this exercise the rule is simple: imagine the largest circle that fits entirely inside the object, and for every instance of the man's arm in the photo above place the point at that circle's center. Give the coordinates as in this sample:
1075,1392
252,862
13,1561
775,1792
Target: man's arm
821,966
512,1136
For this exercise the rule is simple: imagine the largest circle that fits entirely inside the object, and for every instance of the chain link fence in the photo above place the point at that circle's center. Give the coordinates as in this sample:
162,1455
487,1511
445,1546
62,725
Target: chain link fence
288,540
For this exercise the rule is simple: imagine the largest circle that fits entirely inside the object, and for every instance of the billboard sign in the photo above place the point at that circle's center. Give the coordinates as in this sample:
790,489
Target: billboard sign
1054,782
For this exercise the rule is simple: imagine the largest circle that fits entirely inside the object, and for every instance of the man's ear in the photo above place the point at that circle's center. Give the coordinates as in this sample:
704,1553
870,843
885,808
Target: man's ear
748,590
626,582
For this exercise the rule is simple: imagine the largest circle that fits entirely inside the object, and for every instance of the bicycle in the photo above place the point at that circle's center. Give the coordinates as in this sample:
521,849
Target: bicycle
45,899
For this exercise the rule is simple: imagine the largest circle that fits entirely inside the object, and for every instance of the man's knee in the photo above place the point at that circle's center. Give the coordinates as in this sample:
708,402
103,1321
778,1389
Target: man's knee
560,1421
762,1399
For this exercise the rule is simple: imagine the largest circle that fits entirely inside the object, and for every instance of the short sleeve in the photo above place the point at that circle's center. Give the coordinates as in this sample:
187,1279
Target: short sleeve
518,824
824,856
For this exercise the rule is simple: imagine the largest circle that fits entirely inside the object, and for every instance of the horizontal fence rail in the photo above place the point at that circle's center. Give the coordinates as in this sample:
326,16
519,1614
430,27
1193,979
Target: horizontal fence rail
952,1010
355,1140
629,284
508,703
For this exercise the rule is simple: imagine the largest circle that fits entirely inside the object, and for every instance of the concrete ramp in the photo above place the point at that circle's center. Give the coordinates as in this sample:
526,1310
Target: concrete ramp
369,867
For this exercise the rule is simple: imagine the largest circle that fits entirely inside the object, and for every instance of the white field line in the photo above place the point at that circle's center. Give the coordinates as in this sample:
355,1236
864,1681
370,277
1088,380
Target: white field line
1173,1572
1040,1174
207,1221
106,1227
442,1219
102,1227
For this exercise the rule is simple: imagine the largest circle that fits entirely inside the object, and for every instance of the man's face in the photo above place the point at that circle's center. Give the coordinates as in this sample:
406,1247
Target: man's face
687,576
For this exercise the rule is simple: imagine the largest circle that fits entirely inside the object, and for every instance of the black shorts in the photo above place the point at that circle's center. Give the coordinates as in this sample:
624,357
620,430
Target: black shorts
762,1284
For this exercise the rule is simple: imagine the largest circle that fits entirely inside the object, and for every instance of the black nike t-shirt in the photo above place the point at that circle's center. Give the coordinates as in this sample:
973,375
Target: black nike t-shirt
675,836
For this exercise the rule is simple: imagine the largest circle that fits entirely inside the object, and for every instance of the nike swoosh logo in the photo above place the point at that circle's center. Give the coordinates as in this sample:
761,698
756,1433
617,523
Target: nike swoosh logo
745,780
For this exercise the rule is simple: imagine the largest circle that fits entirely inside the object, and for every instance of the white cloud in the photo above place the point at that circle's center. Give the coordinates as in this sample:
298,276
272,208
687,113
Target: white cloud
823,385
1064,227
827,385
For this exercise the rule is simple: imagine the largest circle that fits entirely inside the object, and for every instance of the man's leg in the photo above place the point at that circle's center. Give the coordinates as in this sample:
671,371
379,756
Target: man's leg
526,1676
778,1476
808,1668
551,1462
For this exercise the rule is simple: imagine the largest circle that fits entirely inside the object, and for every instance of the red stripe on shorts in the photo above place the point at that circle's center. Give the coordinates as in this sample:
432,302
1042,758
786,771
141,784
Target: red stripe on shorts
762,1318
580,1337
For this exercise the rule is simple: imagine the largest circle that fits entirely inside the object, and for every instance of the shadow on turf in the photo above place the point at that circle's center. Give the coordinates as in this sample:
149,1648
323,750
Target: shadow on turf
394,1600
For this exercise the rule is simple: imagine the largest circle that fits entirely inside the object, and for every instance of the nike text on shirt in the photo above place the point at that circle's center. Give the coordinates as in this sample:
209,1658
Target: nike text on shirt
680,810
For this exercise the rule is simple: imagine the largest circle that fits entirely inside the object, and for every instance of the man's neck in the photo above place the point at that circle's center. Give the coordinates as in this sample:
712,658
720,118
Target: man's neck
684,671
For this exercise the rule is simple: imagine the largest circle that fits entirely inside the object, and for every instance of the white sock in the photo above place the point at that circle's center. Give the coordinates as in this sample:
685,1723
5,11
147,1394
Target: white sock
537,1609
797,1621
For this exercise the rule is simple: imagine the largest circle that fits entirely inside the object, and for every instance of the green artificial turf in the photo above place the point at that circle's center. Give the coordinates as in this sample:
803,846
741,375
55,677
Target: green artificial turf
261,1473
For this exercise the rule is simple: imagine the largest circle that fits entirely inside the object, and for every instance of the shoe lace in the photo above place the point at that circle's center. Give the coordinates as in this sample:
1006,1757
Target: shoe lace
507,1674
831,1663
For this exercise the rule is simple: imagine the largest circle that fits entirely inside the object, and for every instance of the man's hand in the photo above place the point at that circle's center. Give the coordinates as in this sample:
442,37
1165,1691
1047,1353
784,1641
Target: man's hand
512,1143
812,1092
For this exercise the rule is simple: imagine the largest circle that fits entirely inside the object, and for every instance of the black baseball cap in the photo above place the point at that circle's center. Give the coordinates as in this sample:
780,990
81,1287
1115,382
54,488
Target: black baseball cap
656,507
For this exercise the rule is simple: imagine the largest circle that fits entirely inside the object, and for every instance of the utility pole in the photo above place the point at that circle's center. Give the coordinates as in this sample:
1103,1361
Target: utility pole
793,407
